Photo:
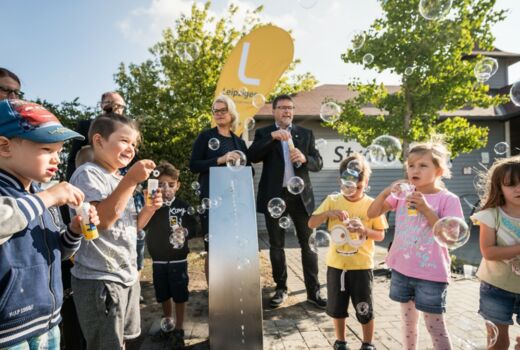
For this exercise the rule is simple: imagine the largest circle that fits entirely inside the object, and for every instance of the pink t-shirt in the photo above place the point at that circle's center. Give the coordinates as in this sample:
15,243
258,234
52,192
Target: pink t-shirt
414,252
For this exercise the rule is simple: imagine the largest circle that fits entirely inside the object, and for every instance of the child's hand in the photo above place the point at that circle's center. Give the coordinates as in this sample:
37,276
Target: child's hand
75,224
140,171
61,194
393,186
341,215
355,225
417,200
157,199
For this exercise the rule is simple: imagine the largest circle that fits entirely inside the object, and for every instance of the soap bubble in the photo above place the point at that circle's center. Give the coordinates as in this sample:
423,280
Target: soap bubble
483,333
237,164
330,112
353,238
167,324
242,91
514,93
258,100
205,203
368,59
195,185
434,9
190,211
391,147
348,190
501,148
451,232
214,144
276,206
409,71
200,209
156,173
295,185
485,69
177,237
284,222
338,234
187,52
318,240
307,4
356,39
320,144
402,189
206,237
249,124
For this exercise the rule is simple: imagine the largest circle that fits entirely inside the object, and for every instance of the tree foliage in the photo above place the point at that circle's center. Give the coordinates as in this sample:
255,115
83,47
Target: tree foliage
172,96
439,74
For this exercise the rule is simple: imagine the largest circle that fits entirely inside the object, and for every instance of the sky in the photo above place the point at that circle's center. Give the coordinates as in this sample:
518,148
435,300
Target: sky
64,49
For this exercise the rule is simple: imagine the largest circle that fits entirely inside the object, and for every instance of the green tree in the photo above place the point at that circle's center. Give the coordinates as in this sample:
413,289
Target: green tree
171,93
432,57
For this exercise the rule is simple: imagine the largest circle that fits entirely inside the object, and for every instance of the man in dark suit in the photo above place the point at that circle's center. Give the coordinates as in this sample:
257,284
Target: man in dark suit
273,145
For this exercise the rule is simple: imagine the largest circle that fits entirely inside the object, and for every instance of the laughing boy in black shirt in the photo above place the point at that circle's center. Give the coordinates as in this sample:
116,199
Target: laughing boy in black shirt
169,251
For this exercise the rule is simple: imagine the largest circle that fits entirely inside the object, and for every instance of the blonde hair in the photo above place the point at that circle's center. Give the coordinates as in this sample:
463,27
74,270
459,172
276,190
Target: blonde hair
437,149
504,172
232,109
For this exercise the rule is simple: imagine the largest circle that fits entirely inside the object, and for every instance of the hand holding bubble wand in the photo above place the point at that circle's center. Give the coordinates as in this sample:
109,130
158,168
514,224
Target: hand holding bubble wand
290,143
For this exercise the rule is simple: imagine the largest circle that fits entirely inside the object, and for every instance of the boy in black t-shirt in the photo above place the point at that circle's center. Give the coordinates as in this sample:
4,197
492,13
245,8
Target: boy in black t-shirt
167,234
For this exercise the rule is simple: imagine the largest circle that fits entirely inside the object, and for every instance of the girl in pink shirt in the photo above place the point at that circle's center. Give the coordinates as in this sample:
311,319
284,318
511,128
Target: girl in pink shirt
420,266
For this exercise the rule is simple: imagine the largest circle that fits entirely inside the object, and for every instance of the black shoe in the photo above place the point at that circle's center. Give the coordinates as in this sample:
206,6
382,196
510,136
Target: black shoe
279,297
178,339
317,300
340,345
367,346
161,336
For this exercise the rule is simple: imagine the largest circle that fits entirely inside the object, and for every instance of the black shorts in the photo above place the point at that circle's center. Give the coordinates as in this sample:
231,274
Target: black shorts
170,280
358,288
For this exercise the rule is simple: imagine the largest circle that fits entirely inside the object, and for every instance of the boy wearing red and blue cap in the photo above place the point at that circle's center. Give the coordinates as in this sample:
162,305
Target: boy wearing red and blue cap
31,244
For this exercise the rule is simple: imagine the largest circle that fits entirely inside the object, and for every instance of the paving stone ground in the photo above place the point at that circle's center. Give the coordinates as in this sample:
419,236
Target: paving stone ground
299,325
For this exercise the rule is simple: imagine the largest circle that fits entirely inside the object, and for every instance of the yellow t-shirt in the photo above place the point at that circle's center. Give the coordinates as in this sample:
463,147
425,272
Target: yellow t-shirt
346,257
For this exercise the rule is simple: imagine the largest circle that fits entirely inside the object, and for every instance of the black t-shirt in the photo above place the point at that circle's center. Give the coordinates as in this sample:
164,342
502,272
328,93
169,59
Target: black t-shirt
158,231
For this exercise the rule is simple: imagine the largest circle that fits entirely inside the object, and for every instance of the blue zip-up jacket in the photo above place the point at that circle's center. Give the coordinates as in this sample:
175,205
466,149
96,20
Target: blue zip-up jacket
31,292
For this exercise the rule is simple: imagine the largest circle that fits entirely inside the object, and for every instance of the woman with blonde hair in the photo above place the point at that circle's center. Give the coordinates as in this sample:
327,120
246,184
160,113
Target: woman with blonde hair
214,147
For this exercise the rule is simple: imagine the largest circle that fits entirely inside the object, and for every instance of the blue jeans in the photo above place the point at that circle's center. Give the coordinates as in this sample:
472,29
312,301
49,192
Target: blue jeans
498,305
429,296
47,341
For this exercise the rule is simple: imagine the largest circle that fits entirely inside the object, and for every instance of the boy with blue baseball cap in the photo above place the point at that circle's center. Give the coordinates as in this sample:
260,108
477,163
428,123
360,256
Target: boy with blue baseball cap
31,244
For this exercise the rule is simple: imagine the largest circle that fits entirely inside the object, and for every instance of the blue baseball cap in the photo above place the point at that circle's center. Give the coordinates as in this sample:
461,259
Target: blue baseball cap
30,121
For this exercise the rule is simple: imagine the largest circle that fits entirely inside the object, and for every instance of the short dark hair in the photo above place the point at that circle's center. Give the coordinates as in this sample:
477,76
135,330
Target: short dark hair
281,98
364,172
106,124
7,73
168,169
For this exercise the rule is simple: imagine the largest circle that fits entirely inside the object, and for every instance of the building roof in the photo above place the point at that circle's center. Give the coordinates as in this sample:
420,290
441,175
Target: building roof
308,104
506,57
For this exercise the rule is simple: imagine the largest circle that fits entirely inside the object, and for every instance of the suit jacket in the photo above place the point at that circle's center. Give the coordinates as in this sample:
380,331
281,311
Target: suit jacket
203,158
269,151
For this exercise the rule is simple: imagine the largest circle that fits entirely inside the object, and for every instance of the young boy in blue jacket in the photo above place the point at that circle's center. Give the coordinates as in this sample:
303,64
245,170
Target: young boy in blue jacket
31,244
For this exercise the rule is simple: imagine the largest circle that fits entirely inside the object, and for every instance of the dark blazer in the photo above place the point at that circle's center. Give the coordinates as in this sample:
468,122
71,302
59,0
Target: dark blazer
203,158
269,151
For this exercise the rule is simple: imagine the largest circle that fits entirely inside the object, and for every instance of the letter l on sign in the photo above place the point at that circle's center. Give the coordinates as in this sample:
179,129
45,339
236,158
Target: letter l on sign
242,67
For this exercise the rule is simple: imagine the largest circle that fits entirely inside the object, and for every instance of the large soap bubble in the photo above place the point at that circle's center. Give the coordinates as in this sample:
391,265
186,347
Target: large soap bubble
485,69
276,206
284,222
501,148
258,100
514,93
434,9
295,185
356,39
330,112
213,144
319,240
402,189
476,332
237,163
451,232
385,149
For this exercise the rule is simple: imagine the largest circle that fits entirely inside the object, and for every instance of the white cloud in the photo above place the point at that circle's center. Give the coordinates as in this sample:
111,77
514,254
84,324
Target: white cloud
144,25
